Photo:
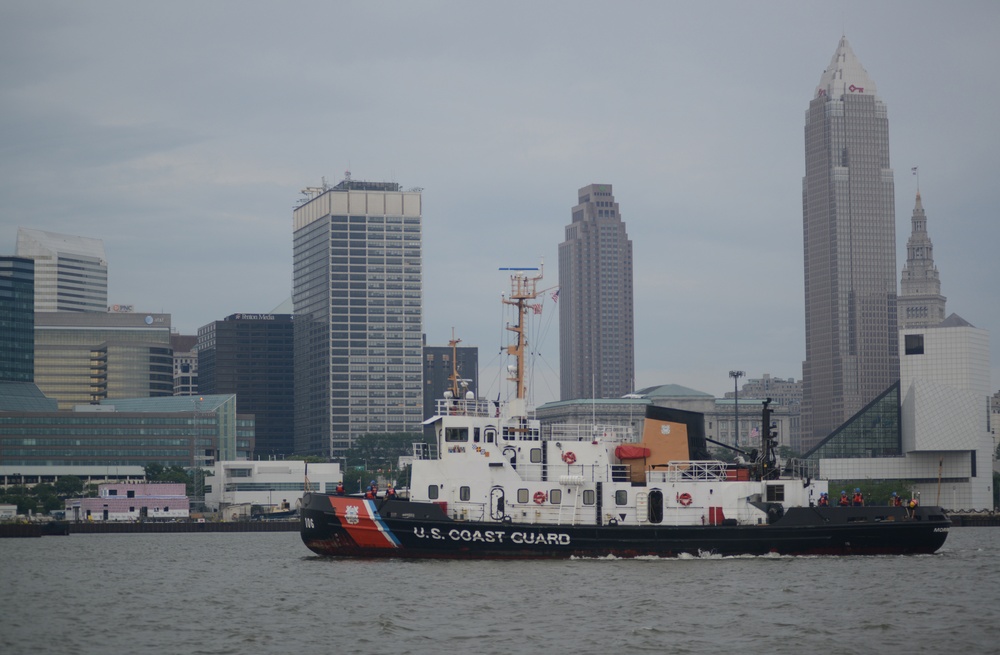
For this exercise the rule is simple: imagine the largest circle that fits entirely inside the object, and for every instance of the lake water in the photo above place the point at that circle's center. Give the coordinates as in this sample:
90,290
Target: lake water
247,593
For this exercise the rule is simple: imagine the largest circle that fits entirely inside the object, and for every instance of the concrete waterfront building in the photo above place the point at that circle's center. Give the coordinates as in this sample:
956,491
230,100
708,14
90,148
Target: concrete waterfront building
17,319
71,272
87,357
251,355
920,301
357,294
849,249
596,330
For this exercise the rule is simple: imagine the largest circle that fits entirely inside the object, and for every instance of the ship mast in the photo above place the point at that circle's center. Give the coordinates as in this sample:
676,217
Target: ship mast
523,289
454,365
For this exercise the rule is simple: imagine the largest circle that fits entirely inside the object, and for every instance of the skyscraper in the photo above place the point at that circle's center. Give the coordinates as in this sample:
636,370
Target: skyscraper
596,332
17,319
87,357
920,301
848,218
71,273
358,318
251,355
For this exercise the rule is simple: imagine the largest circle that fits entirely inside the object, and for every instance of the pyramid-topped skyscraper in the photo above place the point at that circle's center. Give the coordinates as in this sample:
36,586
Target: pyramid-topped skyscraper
849,238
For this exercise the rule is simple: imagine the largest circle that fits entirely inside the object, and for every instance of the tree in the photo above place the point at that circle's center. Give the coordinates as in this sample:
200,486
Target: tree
158,473
308,459
382,450
69,486
153,470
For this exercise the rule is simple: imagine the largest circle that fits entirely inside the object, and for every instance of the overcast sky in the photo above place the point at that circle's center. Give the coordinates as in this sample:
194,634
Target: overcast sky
181,134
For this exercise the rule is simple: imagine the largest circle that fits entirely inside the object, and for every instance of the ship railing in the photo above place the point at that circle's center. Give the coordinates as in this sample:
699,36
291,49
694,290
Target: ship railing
800,468
590,432
677,471
462,407
423,450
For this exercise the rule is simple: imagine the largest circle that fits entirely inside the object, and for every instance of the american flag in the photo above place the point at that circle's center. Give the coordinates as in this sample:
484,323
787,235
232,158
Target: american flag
555,296
537,308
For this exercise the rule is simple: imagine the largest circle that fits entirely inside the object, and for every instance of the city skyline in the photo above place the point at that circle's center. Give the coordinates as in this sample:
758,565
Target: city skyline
187,165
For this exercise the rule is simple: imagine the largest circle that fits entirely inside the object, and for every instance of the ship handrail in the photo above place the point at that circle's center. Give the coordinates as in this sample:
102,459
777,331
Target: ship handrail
476,407
688,470
589,432
461,407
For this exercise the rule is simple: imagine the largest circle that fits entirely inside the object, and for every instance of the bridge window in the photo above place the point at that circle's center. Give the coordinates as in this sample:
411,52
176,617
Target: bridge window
456,434
775,493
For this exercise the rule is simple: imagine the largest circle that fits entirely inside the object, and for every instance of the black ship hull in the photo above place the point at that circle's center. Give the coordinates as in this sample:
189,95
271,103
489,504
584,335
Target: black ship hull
340,526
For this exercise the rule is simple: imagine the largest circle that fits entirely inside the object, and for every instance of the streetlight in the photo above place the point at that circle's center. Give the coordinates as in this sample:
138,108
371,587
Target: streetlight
736,375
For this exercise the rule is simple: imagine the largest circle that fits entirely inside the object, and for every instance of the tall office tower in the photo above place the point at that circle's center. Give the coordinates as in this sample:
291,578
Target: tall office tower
71,273
251,355
86,357
848,219
17,319
357,296
920,301
596,333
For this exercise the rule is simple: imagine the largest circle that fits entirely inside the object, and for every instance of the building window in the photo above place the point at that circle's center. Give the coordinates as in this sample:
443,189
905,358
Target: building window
914,344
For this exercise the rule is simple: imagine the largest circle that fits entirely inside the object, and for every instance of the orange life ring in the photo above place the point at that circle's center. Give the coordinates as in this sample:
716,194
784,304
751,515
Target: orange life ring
684,499
569,457
540,497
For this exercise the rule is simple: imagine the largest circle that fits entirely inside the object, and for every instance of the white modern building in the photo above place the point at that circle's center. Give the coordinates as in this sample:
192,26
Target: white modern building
941,442
71,273
271,484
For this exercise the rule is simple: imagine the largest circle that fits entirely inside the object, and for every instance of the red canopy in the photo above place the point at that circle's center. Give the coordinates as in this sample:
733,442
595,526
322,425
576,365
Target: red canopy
631,451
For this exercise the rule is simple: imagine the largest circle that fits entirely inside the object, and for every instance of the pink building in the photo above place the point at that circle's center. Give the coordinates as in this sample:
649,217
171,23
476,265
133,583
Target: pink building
132,501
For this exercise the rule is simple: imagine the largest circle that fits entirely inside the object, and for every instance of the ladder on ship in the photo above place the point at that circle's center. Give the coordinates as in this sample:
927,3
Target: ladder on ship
568,511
